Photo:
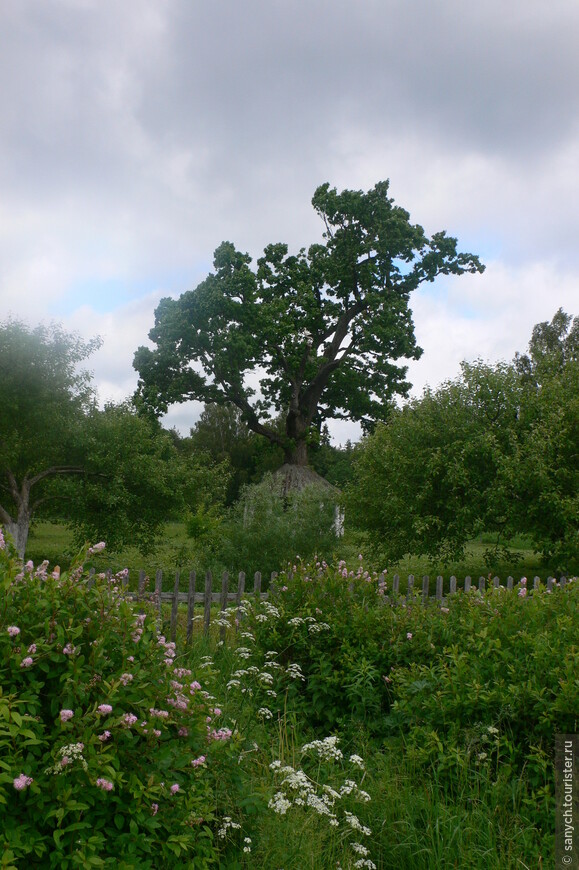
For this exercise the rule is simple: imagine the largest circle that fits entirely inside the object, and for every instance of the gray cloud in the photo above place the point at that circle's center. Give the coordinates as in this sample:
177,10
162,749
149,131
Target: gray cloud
136,136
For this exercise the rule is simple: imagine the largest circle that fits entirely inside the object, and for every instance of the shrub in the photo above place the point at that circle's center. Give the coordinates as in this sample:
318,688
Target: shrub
110,751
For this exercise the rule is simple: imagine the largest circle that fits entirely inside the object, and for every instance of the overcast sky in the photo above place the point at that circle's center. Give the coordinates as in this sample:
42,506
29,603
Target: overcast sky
136,135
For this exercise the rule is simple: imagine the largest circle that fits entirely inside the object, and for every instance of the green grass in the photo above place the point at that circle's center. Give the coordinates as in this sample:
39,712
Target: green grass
54,541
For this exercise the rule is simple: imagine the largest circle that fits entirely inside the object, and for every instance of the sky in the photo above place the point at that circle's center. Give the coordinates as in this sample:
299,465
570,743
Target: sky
135,136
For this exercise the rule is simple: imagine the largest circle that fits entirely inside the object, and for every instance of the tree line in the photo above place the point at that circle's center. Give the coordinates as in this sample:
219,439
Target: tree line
275,351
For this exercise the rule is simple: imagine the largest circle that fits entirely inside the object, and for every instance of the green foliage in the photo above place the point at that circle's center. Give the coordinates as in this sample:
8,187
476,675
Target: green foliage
99,726
494,451
264,531
322,329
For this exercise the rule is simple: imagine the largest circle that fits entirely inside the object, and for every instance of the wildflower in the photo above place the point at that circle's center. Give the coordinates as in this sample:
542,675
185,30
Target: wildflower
154,809
183,732
13,630
96,548
156,732
355,759
105,784
194,686
160,714
69,650
65,715
222,734
279,803
247,841
126,679
104,736
175,788
21,782
27,662
409,635
129,719
32,649
522,592
197,762
264,713
105,709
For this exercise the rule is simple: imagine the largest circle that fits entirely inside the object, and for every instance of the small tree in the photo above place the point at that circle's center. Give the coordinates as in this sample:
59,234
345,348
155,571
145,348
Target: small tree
321,331
44,400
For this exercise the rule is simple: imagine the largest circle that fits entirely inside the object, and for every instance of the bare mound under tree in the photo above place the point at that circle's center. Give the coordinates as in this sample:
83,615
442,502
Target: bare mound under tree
297,477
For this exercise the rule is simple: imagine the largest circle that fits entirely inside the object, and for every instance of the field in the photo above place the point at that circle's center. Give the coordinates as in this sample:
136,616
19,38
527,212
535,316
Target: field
177,552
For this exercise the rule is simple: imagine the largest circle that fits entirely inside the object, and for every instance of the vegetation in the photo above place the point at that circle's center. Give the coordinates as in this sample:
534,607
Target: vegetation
110,473
494,451
321,330
335,729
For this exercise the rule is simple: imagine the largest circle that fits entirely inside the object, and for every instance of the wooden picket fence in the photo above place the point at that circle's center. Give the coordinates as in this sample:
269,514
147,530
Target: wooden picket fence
226,597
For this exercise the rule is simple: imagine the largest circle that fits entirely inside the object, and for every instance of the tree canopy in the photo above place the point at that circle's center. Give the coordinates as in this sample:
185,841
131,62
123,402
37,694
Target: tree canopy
110,473
313,335
496,450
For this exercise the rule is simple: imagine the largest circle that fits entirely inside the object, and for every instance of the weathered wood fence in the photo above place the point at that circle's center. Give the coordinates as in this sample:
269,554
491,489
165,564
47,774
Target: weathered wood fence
225,597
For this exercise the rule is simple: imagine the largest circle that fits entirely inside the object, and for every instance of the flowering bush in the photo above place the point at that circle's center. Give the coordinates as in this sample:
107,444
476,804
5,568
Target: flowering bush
110,750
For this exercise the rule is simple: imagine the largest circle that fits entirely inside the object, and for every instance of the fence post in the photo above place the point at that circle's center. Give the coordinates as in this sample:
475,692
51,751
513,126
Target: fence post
467,582
439,587
174,607
410,587
223,603
452,590
537,584
159,590
239,596
510,583
496,582
208,597
257,586
141,583
396,584
425,589
550,583
190,605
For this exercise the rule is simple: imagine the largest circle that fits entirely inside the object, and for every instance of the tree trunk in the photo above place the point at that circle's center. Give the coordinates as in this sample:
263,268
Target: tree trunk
296,430
19,530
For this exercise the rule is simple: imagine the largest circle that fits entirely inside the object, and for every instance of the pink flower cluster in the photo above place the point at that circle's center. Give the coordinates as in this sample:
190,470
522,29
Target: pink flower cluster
21,782
222,734
105,784
65,715
197,762
96,548
105,709
27,662
13,630
129,719
126,679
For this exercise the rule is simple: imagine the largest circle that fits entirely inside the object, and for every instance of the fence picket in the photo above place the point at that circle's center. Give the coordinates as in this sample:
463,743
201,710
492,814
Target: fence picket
191,598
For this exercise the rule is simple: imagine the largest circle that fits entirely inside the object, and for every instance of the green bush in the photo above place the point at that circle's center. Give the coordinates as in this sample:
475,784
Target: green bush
110,751
264,530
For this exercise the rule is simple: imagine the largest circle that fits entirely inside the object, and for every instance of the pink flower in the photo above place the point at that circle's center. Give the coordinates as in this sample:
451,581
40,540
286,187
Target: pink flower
27,662
216,711
194,686
13,630
222,734
104,736
154,809
69,650
29,566
156,732
32,649
105,709
130,658
65,760
105,784
183,732
197,762
97,548
523,581
409,635
129,719
126,679
522,592
21,782
175,788
65,715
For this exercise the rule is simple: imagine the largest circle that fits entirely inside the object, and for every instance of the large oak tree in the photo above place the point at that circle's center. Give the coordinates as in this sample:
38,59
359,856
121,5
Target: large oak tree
313,335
